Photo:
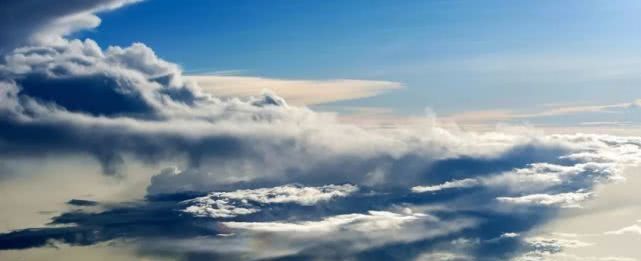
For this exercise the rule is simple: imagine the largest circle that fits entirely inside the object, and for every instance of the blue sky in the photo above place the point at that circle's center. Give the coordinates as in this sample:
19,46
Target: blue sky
451,56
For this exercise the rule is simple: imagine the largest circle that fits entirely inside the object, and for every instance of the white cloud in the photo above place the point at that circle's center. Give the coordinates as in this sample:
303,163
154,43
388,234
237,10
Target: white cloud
464,183
633,229
248,201
443,256
510,235
565,200
349,233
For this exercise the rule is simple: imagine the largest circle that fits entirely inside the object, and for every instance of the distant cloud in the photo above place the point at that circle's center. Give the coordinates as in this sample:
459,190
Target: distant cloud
248,201
633,229
464,183
566,200
296,92
616,114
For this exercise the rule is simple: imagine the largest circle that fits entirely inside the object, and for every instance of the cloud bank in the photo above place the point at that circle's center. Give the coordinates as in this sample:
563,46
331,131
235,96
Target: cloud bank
27,22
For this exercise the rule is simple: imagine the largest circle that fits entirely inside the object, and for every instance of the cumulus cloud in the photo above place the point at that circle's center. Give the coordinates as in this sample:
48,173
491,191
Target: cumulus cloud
244,202
79,99
27,22
296,92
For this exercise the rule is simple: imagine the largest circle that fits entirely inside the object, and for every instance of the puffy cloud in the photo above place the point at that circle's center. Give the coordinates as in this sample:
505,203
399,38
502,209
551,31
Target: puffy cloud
248,201
78,99
349,235
24,22
566,200
510,235
289,194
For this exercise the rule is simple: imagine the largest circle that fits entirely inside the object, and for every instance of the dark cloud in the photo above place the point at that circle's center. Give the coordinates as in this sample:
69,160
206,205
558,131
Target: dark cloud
151,219
28,21
310,224
82,202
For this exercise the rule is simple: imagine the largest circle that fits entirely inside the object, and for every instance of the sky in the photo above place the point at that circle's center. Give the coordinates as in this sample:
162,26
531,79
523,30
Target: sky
451,56
320,130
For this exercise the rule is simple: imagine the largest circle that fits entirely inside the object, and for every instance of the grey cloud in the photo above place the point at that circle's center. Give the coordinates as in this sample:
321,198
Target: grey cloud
82,202
77,99
248,201
29,21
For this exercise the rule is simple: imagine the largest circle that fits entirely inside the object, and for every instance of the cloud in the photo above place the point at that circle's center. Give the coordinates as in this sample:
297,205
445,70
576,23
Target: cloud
373,221
347,235
78,99
27,22
82,202
566,200
443,256
549,248
296,92
244,202
568,116
464,183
